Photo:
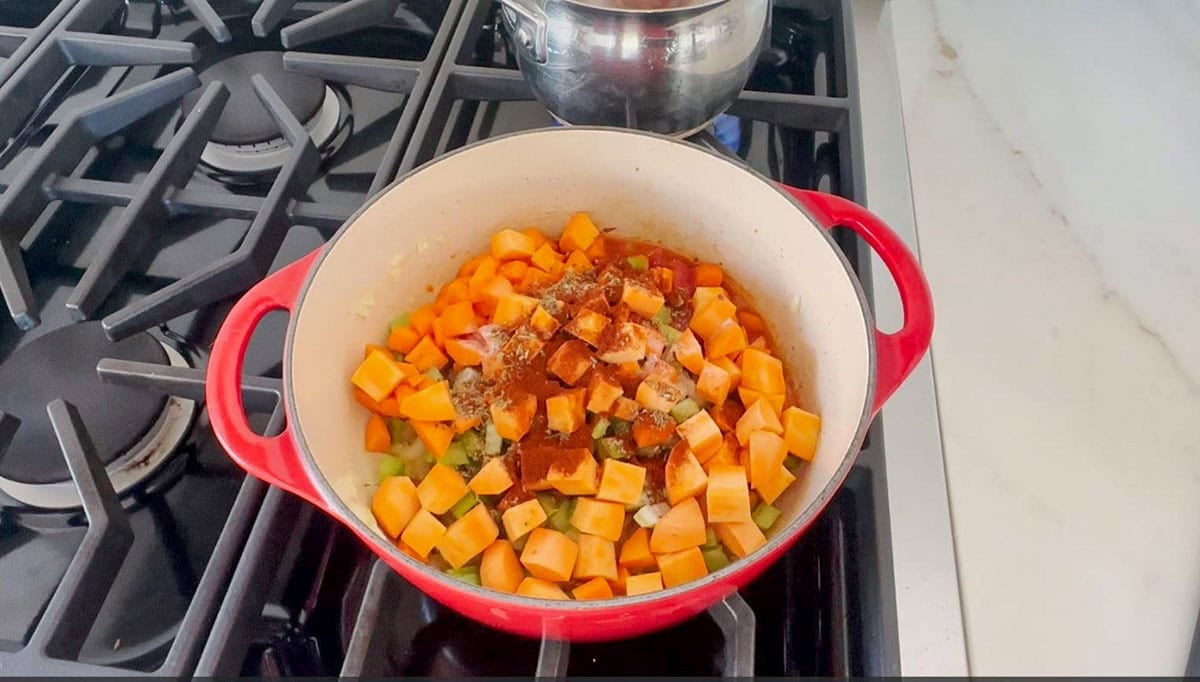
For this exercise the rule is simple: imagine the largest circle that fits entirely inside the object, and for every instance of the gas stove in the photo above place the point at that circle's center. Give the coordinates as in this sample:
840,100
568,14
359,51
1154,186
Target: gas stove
160,158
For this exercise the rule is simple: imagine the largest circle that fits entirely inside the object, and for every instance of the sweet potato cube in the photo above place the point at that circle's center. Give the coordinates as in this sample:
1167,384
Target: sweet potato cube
605,519
535,280
758,417
422,320
486,269
579,233
500,569
635,553
597,558
522,518
490,293
626,409
574,475
727,496
596,588
680,528
426,355
750,396
767,452
540,589
394,504
513,415
549,555
577,261
536,235
654,394
713,384
602,394
587,326
546,258
464,424
641,299
514,271
618,585
629,343
726,454
762,372
735,372
521,347
688,352
801,430
458,319
564,412
728,339
512,309
468,536
702,434
377,375
430,404
570,362
441,488
543,322
492,479
423,533
510,245
703,295
621,482
402,339
435,436
708,320
683,474
652,428
376,438
644,583
465,352
740,538
774,484
681,567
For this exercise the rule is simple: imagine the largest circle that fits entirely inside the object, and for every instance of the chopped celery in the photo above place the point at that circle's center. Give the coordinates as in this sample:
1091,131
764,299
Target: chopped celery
710,538
611,448
466,504
467,574
429,458
435,374
671,334
471,442
648,516
573,534
620,427
662,317
793,463
401,430
561,518
492,443
401,321
519,543
684,410
454,456
714,558
389,466
765,515
600,428
549,504
639,263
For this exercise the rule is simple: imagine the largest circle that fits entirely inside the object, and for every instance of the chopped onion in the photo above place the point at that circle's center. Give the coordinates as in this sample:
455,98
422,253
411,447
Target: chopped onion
491,440
648,516
466,376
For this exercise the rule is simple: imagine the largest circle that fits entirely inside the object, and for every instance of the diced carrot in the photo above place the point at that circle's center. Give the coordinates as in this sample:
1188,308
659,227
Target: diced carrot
511,245
536,235
484,272
535,280
643,584
681,567
709,275
740,538
683,474
372,347
577,261
394,504
434,436
621,482
702,434
654,394
596,588
430,404
377,437
625,409
458,319
752,322
652,428
707,320
467,537
605,519
801,430
492,479
472,265
713,384
543,322
500,569
602,393
680,528
735,372
441,488
455,291
758,417
578,234
574,473
775,484
423,533
540,589
549,555
426,355
598,248
422,320
546,258
729,339
641,299
570,362
465,352
587,326
635,553
597,558
522,518
514,415
377,375
688,352
512,309
464,424
727,496
564,412
762,372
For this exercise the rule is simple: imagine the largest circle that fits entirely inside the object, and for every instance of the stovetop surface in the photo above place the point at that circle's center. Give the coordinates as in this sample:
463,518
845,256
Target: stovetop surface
123,217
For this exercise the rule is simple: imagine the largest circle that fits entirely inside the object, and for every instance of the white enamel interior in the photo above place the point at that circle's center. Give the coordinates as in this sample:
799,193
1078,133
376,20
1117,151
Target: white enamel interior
418,233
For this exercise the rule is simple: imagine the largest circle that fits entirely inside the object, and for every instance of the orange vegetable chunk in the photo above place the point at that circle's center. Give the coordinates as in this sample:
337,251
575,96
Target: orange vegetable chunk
735,372
596,588
625,408
621,482
512,309
546,258
726,454
543,322
702,434
434,436
423,533
510,245
684,476
426,355
579,233
458,319
681,567
522,518
740,538
728,339
644,583
549,555
651,427
709,275
540,589
492,479
535,234
762,372
514,271
514,415
377,437
801,430
578,261
628,344
430,404
587,326
570,362
377,375
713,384
564,412
441,488
597,558
635,553
758,417
467,537
422,320
708,320
574,475
688,352
394,504
767,452
462,425
775,483
655,394
402,339
500,569
641,299
750,396
602,394
727,496
465,352
605,519
680,528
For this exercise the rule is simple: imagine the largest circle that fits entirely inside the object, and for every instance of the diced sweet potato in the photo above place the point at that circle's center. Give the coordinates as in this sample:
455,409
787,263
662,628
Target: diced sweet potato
702,434
512,309
702,296
434,436
713,384
492,479
767,452
487,269
597,558
762,372
628,344
514,271
500,569
543,322
735,372
464,424
549,555
635,553
579,233
618,585
458,319
564,412
522,518
644,583
680,528
596,588
689,353
465,352
681,567
758,417
394,504
755,327
422,319
774,484
441,488
377,375
740,538
750,396
510,245
652,428
625,409
423,533
621,482
426,355
709,275
521,347
546,258
587,326
376,437
490,293
605,519
570,362
513,415
728,339
641,299
540,589
536,235
471,265
430,404
468,536
801,430
402,339
654,394
683,474
602,393
707,320
727,496
577,261
574,474
535,280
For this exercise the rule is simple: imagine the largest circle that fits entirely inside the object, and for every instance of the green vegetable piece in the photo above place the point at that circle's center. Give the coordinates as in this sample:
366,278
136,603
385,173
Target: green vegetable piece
467,574
519,543
639,263
549,504
435,374
620,427
560,520
572,533
793,463
611,448
710,538
401,430
466,504
600,428
390,465
472,442
684,410
454,456
662,318
671,334
401,321
714,558
765,515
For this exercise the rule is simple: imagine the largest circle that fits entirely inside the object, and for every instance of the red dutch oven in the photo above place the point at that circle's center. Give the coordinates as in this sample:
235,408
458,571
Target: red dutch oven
772,240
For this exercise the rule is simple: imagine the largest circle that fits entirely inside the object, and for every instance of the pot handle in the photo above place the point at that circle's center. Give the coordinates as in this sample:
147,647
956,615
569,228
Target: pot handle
896,354
528,25
273,459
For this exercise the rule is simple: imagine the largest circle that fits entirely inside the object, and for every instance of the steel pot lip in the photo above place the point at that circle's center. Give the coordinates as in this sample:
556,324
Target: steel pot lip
601,6
782,538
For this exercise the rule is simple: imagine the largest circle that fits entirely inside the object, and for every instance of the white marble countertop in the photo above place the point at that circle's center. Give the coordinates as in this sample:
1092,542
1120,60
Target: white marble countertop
1054,151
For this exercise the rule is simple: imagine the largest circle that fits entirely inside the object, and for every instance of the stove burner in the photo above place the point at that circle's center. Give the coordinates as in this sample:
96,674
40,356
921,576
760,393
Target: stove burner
133,432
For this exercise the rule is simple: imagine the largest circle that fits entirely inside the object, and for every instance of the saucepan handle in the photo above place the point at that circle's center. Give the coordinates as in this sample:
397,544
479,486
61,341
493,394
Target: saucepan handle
528,25
273,459
896,354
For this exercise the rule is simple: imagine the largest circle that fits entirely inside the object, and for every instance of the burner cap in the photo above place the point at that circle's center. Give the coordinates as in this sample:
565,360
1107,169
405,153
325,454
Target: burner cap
245,120
62,364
